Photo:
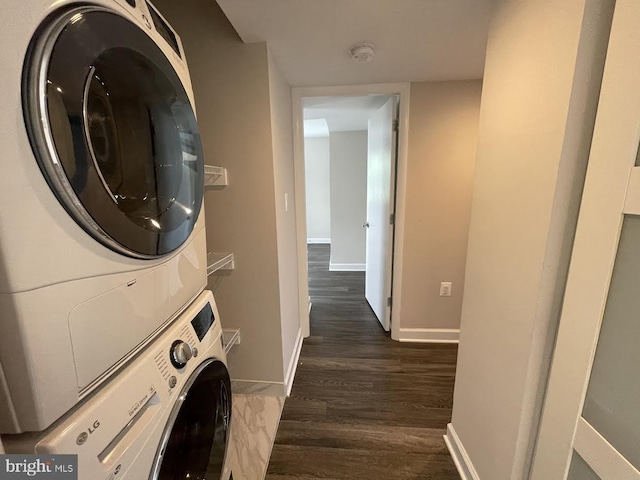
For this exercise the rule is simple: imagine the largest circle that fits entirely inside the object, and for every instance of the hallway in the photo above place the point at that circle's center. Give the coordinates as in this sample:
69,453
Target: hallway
363,406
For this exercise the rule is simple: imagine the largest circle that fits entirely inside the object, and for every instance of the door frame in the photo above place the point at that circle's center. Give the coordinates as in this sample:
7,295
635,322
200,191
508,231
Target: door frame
609,194
297,94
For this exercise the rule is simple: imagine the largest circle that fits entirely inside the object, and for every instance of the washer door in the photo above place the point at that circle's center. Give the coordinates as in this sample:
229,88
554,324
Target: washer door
113,131
194,442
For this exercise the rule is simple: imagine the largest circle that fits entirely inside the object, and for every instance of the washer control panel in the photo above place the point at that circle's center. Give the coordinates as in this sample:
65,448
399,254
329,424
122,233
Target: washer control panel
174,360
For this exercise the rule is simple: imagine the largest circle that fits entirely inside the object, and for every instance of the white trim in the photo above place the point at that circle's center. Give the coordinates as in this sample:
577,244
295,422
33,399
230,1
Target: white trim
293,363
301,212
429,335
460,457
632,201
600,455
318,240
404,90
347,267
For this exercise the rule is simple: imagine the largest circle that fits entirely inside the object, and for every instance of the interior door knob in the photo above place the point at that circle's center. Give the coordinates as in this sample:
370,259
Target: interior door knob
365,224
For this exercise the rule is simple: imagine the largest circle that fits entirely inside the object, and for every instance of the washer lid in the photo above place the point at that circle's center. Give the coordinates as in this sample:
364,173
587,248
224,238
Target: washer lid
113,131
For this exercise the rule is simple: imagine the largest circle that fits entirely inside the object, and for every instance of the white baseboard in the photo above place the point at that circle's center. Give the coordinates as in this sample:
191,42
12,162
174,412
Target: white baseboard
347,267
429,335
318,240
460,457
293,363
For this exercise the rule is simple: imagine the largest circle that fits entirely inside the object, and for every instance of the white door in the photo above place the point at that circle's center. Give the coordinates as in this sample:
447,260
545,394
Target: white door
590,425
381,160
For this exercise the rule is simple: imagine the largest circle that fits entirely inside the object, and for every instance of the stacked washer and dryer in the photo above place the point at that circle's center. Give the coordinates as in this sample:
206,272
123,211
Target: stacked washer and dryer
109,345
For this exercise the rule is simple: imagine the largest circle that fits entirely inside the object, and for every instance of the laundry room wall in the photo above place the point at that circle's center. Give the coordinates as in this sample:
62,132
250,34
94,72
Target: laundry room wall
282,138
232,91
348,153
317,189
443,133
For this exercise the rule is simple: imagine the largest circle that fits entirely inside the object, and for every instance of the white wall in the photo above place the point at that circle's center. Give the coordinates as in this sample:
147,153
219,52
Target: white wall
317,188
282,135
443,135
542,75
348,152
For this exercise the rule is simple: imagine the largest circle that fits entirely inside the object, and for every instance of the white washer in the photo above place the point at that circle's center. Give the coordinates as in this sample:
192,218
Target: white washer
102,237
153,420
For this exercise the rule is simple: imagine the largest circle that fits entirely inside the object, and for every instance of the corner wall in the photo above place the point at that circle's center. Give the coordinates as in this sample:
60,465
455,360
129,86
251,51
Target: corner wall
318,189
348,158
443,134
282,137
232,91
541,85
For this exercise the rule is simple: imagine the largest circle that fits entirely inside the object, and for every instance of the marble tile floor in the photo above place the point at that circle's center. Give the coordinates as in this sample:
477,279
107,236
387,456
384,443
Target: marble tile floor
254,423
257,388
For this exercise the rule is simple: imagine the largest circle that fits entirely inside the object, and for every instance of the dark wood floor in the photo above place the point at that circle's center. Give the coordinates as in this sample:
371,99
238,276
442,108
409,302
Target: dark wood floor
363,406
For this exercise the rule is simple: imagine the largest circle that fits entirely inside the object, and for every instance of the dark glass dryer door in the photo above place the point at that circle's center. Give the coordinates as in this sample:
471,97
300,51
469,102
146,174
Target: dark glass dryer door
194,442
114,131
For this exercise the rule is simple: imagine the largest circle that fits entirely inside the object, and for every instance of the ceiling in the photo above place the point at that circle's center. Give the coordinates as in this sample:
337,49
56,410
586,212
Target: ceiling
338,114
316,127
415,40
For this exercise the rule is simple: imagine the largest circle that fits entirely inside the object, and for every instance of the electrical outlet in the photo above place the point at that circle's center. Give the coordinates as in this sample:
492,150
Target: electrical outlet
445,289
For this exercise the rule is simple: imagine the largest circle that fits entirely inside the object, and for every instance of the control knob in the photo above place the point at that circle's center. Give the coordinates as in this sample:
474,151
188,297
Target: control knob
180,353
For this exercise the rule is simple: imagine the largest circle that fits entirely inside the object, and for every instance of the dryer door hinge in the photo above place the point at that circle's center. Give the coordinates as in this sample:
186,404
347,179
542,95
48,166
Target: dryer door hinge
392,219
396,125
389,302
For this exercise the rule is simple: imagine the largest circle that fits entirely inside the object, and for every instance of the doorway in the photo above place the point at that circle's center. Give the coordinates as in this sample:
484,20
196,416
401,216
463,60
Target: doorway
319,98
350,158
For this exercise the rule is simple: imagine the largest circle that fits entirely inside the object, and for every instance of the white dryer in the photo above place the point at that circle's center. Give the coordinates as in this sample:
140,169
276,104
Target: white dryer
165,416
102,237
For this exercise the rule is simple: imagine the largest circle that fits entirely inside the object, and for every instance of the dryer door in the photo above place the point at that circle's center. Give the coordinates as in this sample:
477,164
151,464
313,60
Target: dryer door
194,442
113,131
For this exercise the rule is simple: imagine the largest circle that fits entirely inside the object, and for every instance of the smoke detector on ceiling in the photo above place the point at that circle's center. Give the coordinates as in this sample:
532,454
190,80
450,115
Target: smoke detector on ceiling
362,52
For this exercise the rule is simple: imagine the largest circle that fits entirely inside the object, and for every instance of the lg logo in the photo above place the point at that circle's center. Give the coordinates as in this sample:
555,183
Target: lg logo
84,436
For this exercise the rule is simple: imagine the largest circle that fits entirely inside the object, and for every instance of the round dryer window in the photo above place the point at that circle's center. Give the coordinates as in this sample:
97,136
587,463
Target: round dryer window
114,131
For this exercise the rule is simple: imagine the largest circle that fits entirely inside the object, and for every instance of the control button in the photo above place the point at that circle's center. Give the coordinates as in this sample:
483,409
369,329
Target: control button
181,353
173,381
195,352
